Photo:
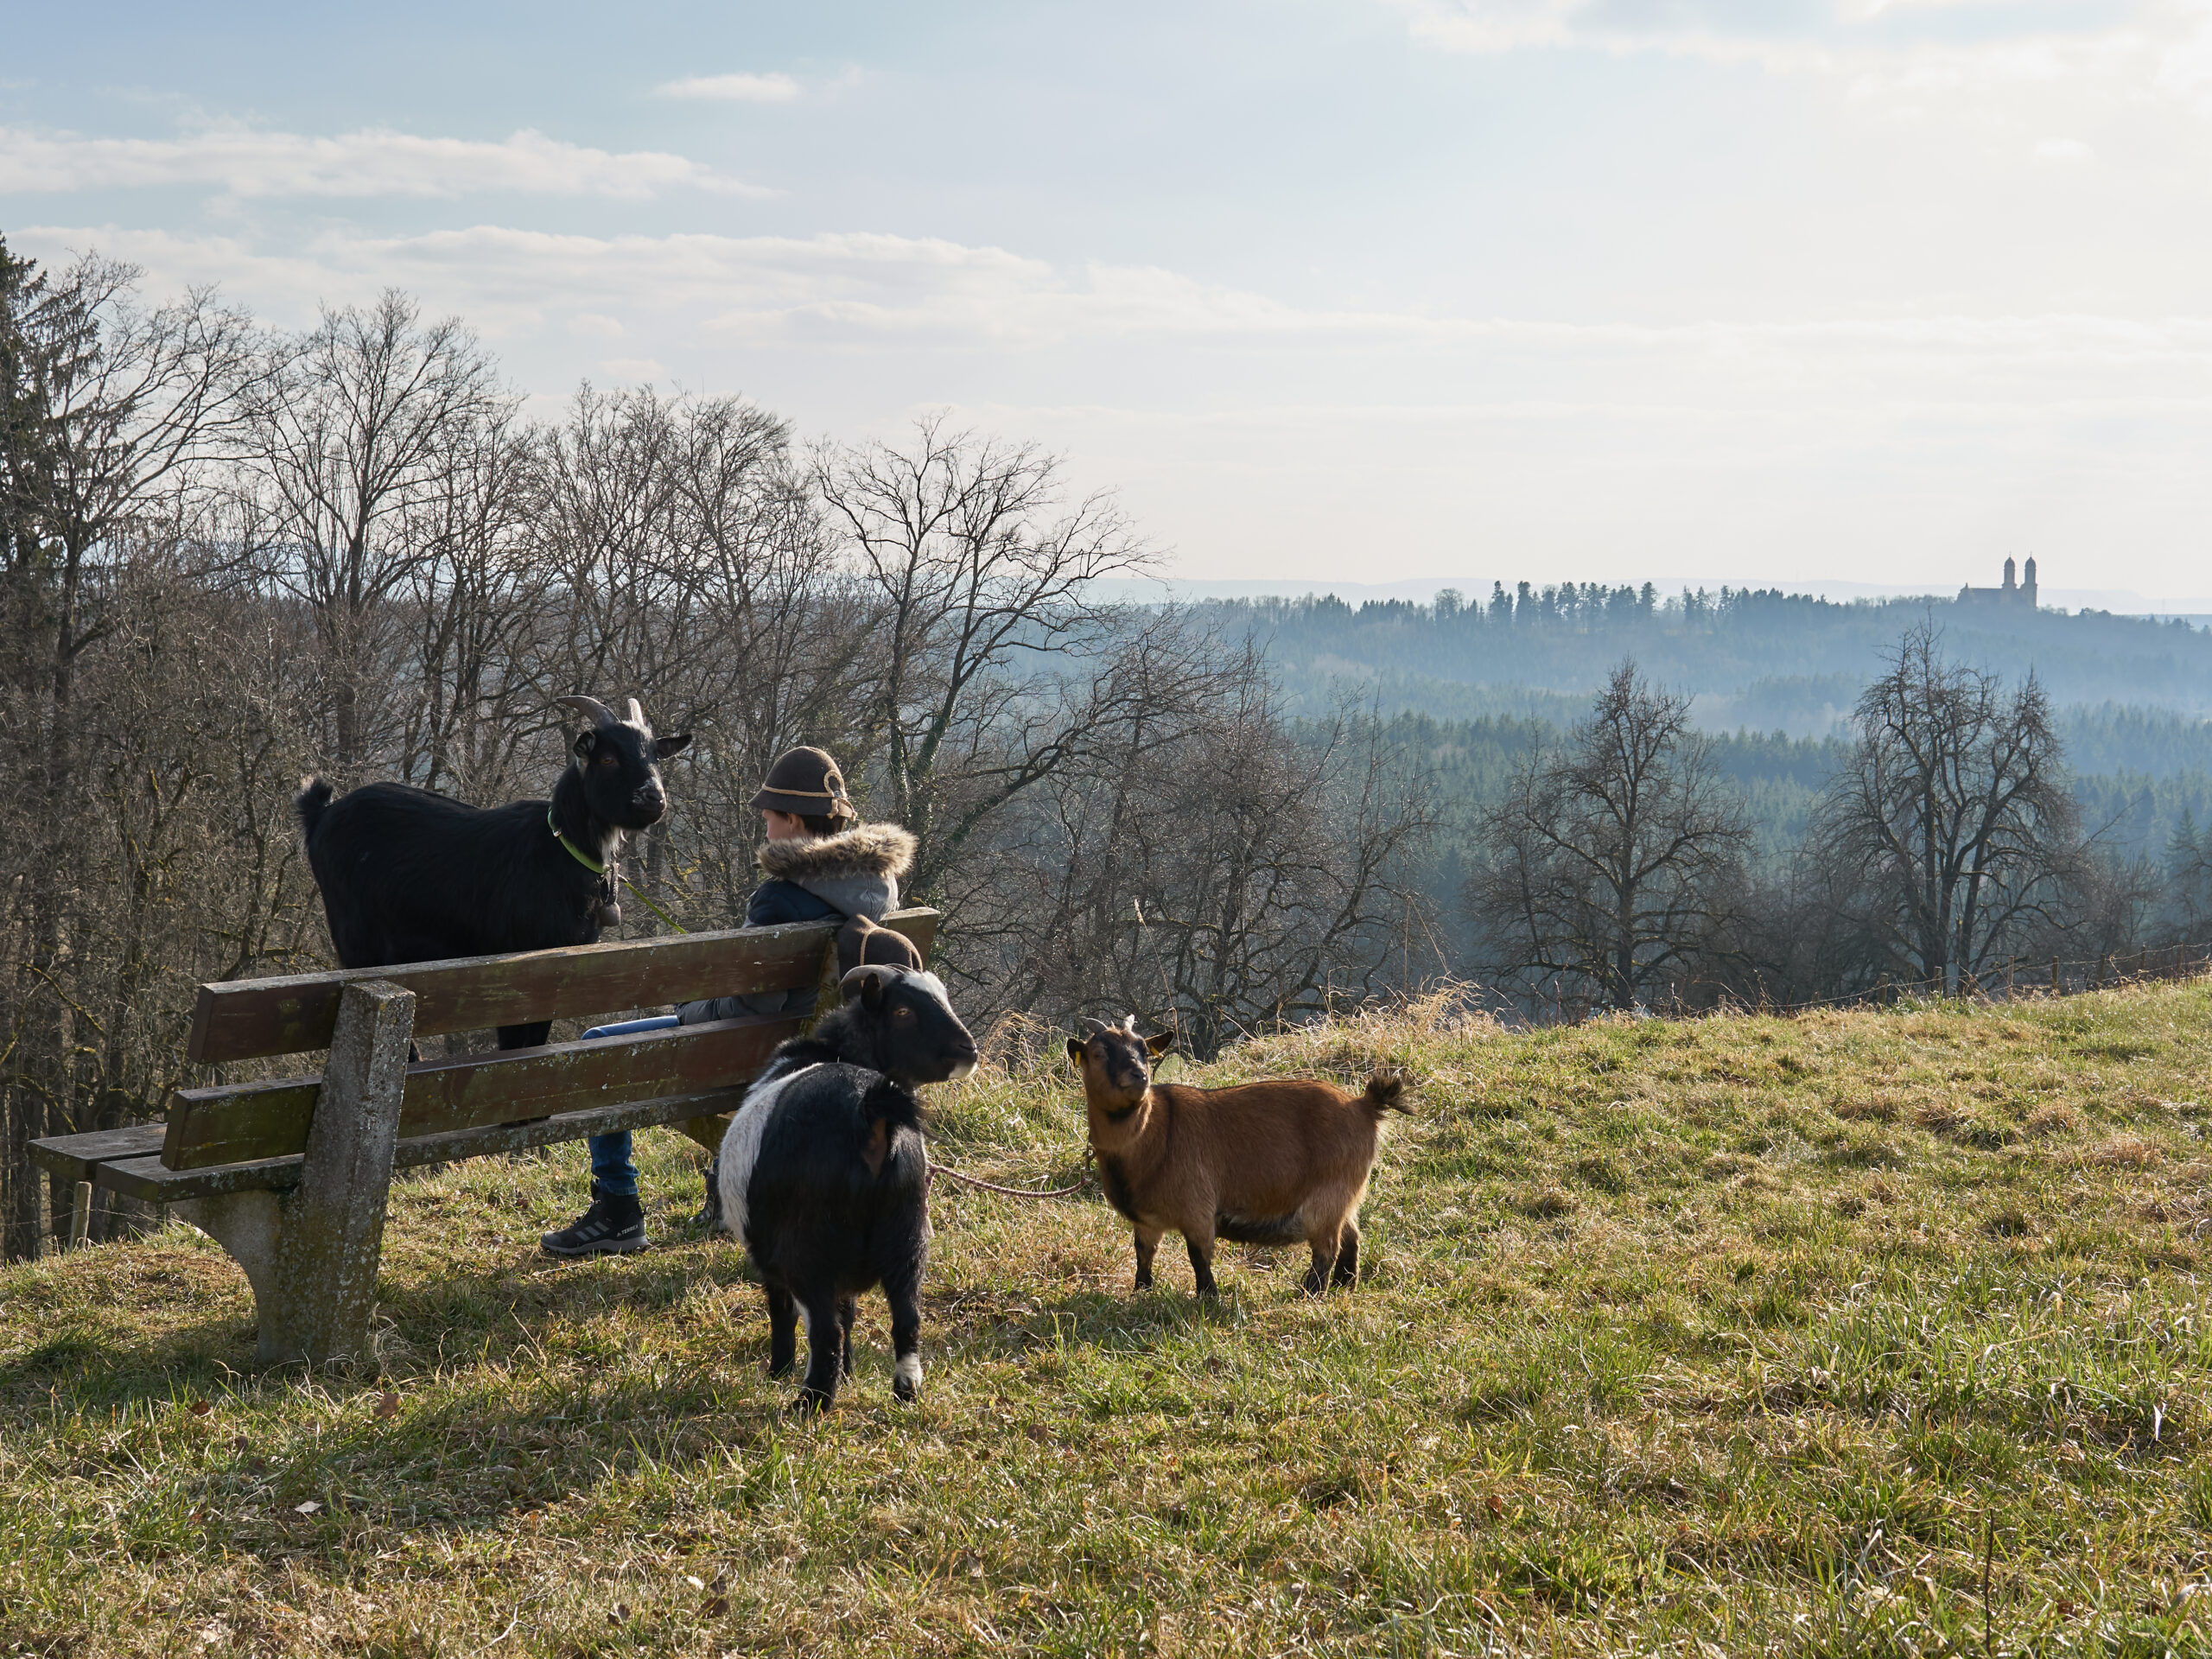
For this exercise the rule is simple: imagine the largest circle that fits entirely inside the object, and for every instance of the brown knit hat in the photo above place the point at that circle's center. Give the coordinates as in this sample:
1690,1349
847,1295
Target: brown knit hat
805,782
861,944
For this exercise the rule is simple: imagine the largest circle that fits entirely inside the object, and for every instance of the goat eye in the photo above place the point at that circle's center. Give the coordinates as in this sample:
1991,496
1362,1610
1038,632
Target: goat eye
606,760
903,1015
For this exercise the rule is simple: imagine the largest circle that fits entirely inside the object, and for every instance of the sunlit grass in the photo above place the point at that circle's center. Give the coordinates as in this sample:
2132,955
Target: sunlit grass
1777,1335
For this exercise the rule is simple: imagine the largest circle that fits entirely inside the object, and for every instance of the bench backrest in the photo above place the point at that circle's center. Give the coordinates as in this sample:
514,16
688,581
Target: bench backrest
256,1019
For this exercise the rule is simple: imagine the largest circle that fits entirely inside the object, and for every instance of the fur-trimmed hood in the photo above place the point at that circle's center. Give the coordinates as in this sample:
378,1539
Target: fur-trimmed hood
856,870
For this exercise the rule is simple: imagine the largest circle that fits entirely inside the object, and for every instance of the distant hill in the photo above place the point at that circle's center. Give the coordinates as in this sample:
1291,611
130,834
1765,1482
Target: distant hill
1423,590
1763,660
1468,687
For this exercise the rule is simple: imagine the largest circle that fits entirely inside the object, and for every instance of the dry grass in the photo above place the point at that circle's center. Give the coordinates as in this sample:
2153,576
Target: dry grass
1746,1332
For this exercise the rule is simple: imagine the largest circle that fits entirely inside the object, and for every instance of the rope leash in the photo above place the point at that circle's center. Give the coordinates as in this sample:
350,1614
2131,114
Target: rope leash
655,909
935,1168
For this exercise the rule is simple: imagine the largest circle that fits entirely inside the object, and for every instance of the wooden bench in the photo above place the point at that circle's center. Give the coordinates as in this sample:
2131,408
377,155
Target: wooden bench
292,1177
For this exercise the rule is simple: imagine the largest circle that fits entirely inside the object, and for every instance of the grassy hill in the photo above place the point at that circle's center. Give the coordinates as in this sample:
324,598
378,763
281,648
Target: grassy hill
1872,1333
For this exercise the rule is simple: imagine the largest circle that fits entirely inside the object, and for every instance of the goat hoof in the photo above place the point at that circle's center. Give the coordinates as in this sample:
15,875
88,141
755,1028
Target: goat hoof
809,1401
781,1367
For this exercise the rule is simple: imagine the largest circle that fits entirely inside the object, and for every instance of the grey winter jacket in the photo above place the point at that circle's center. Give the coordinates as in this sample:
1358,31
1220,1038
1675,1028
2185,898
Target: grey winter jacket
853,872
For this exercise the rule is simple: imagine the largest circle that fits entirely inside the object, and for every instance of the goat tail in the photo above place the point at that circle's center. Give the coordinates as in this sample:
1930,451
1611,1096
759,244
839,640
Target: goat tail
1385,1093
315,795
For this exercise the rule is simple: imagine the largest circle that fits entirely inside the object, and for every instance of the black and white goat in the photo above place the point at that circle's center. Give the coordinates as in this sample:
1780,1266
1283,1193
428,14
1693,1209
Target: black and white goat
823,1176
407,875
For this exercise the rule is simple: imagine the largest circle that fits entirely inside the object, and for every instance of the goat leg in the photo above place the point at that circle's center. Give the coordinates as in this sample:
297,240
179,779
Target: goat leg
848,1310
1201,1262
905,1335
1327,1242
1148,1242
782,1332
1347,1271
824,1353
1316,1282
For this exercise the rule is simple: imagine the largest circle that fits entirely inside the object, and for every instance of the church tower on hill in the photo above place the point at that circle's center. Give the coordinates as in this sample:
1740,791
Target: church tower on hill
2015,594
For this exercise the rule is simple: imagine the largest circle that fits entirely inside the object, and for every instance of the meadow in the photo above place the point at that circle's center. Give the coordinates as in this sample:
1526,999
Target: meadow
1873,1333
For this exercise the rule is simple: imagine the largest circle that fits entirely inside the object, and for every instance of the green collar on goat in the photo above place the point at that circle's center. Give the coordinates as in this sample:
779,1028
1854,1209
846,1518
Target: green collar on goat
574,851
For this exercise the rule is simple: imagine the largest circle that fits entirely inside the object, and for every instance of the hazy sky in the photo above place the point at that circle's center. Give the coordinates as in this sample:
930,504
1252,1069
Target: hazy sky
1544,288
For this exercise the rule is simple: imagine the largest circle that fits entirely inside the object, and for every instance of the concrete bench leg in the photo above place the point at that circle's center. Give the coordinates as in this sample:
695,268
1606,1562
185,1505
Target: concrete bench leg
311,1254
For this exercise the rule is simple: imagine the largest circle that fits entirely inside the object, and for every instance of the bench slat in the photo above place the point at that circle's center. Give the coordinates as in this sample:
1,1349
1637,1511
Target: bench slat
247,1123
74,1157
146,1178
243,1020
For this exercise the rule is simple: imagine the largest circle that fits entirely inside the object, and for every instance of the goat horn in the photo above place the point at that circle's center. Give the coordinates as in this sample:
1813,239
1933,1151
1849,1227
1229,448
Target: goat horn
590,708
1091,1028
849,986
637,715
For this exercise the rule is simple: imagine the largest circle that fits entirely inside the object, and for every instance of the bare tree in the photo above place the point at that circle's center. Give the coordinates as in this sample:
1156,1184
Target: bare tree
694,572
1952,820
1279,890
979,565
1215,868
1612,863
477,598
108,410
779,658
353,427
2188,909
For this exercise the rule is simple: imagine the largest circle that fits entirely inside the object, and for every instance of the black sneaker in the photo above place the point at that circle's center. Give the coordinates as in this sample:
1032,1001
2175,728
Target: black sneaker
614,1225
709,1218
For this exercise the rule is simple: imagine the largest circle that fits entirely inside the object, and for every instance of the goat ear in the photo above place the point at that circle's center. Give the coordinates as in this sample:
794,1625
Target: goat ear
665,747
867,983
1158,1046
1075,1052
583,745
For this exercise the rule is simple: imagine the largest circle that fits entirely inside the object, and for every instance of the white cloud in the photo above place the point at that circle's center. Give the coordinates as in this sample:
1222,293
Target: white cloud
872,289
1883,50
1883,438
1499,26
373,162
777,88
2067,152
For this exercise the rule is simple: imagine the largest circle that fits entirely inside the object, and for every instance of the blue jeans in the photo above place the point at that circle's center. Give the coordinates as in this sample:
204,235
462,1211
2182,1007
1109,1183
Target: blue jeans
612,1172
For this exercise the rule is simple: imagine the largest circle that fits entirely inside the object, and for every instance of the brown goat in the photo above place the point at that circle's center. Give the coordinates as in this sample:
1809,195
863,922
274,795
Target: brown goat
1260,1163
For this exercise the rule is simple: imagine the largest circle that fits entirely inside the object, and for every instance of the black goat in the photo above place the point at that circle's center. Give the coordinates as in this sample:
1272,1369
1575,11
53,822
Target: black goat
823,1175
407,875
